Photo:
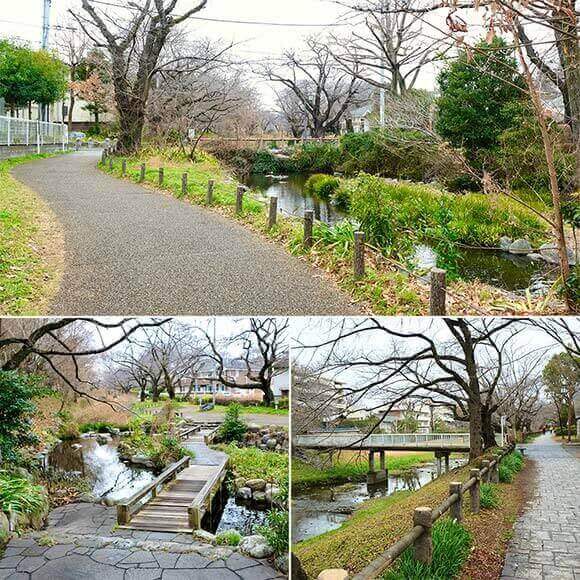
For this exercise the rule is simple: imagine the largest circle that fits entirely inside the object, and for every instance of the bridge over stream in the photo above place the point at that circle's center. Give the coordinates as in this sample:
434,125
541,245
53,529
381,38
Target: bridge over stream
185,493
441,444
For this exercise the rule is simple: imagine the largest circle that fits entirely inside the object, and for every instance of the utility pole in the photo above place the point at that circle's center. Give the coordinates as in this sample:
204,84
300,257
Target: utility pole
44,46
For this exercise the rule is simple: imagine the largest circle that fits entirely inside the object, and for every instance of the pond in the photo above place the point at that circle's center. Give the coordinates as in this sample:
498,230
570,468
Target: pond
511,272
321,509
109,476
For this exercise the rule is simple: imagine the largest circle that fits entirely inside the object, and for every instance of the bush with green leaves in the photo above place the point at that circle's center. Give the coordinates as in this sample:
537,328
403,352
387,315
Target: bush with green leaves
233,428
488,496
451,548
321,185
316,157
21,496
265,163
17,407
509,466
276,531
228,538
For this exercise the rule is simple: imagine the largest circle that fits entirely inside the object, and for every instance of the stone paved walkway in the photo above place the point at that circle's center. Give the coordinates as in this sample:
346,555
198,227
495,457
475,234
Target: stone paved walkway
130,250
79,544
546,542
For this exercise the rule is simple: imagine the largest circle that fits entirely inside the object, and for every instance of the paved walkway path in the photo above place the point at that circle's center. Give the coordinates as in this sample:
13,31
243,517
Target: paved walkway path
546,543
84,547
133,251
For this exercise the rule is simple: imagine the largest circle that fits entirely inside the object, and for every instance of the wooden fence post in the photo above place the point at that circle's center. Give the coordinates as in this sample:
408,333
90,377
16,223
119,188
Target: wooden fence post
239,199
273,211
423,546
142,173
103,156
494,475
184,184
359,255
438,292
209,196
456,508
110,163
124,168
308,225
475,491
122,514
485,465
161,176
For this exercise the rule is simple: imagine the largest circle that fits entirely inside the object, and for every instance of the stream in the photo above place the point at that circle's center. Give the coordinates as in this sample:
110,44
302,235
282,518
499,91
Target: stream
109,476
321,509
511,272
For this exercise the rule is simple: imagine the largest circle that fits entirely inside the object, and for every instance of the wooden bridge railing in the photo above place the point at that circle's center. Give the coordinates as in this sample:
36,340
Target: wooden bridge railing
202,503
188,430
424,517
126,509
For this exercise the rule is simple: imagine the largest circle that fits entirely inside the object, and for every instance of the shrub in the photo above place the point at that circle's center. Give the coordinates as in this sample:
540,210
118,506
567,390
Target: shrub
19,495
233,428
252,462
276,531
509,466
316,158
284,403
321,185
97,427
265,163
488,498
341,198
228,538
451,547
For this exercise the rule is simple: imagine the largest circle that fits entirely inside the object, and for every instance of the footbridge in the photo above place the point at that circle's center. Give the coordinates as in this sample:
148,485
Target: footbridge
441,444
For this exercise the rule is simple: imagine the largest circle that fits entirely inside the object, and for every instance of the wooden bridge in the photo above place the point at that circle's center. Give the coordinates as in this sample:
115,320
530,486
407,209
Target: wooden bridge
184,494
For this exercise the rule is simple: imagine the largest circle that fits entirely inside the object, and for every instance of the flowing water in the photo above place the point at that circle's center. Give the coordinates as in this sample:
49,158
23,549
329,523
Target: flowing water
508,271
318,510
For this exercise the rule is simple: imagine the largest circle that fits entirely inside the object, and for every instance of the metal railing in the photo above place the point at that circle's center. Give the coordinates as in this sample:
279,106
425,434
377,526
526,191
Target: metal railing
355,440
15,131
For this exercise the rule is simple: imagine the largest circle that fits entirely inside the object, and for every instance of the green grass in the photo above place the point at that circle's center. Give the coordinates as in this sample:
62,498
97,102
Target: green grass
20,495
451,547
253,463
509,466
27,279
489,497
258,409
305,475
228,538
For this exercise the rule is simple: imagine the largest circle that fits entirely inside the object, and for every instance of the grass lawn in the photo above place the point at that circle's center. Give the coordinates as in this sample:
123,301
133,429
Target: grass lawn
257,410
380,522
31,246
350,469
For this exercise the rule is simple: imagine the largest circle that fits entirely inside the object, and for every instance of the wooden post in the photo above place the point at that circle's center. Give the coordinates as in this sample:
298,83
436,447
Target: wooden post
122,514
110,164
209,197
382,459
475,490
371,461
124,168
456,509
142,173
359,255
446,462
438,292
184,184
161,176
103,156
423,546
308,225
272,212
239,199
486,475
494,475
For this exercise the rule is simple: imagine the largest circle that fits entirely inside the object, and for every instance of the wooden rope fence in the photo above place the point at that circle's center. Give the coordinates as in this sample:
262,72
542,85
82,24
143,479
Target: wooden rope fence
438,286
420,536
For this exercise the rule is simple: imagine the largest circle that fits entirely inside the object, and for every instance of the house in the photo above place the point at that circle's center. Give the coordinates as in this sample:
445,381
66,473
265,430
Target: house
426,413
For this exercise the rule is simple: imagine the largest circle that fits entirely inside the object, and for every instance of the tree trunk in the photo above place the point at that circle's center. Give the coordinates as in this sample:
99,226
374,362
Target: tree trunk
268,395
488,432
475,429
131,122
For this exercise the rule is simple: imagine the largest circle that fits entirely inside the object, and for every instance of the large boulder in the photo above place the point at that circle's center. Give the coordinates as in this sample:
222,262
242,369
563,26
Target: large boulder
244,493
520,246
271,492
256,484
505,243
271,443
204,536
256,547
549,252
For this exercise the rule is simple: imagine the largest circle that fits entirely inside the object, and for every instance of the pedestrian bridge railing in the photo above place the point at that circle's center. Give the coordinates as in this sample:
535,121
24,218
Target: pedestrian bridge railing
377,440
15,131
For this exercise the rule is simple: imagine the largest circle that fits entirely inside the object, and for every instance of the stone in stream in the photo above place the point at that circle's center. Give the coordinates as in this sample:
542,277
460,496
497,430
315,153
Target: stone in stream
534,256
271,492
549,252
520,246
505,243
256,547
244,493
256,484
259,497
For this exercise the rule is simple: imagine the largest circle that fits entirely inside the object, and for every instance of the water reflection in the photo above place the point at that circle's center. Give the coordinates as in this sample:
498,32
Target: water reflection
237,516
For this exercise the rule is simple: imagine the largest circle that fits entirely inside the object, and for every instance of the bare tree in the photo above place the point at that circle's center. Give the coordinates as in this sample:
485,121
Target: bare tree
135,38
264,354
324,91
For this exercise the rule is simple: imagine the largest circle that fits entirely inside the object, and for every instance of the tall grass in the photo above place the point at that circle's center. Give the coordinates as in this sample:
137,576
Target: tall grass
489,498
510,465
19,495
251,462
451,547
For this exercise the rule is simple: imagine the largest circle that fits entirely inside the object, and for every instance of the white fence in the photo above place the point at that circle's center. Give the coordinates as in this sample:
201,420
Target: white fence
22,132
342,440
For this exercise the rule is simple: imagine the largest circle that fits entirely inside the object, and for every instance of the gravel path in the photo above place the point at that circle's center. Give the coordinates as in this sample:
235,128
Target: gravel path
546,542
133,251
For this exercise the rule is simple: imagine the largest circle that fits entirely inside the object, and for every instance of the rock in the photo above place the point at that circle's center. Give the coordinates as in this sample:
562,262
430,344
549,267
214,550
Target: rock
4,525
281,563
76,446
110,501
271,492
244,493
256,484
88,498
255,547
141,460
535,257
271,443
86,435
520,246
204,536
103,438
549,253
333,574
265,439
505,243
259,497
239,482
253,428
